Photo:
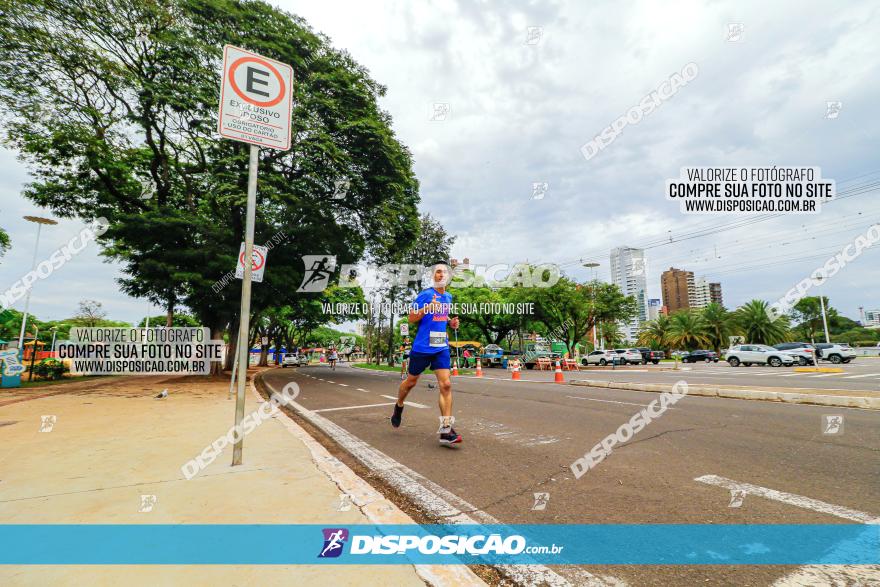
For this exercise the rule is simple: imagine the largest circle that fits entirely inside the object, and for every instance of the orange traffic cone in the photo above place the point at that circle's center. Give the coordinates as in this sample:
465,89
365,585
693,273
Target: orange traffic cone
455,368
515,374
479,372
558,378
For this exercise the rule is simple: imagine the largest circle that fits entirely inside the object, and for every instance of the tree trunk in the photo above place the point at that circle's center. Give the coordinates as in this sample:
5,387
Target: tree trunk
391,332
232,347
216,366
169,316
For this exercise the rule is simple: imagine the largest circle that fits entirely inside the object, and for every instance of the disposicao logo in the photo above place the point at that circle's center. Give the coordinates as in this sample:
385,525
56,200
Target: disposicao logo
334,541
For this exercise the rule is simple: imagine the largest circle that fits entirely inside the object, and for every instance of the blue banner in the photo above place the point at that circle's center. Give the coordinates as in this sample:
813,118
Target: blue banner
618,544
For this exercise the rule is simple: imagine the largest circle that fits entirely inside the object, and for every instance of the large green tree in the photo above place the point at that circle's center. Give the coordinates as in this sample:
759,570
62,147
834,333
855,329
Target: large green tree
758,327
687,330
112,104
718,324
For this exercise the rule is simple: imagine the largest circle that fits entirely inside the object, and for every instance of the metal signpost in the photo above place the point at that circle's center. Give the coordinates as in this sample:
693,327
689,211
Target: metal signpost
256,103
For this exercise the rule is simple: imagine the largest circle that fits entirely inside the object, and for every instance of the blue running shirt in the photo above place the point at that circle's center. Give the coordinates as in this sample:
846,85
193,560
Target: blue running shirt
431,336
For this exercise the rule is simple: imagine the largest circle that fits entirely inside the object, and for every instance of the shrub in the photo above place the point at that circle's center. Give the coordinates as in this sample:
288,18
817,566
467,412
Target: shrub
50,369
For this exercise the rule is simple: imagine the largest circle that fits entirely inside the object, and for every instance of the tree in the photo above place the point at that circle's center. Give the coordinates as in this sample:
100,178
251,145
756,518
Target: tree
90,313
656,333
807,314
759,328
687,330
179,320
569,309
127,92
4,242
718,324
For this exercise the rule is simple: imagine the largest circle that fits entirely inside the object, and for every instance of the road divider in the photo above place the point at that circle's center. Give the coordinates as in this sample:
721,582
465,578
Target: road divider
799,396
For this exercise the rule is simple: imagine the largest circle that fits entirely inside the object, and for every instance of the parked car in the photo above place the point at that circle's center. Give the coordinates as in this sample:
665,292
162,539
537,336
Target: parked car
633,356
598,358
699,356
836,353
803,352
651,355
294,361
757,354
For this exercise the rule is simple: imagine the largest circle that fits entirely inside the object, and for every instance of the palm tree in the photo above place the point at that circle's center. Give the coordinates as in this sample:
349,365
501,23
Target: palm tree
655,333
720,325
687,330
757,325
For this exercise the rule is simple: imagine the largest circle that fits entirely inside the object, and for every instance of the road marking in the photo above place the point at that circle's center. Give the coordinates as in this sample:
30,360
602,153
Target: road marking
364,390
352,407
790,375
823,375
413,404
860,376
608,401
328,381
792,499
343,385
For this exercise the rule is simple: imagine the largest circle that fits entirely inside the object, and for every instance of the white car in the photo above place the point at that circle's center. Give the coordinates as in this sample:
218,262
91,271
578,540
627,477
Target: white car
836,353
598,358
293,361
758,354
625,356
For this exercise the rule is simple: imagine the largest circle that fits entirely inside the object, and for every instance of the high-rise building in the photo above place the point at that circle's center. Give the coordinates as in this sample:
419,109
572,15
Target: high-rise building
700,296
872,318
715,294
628,274
655,308
676,286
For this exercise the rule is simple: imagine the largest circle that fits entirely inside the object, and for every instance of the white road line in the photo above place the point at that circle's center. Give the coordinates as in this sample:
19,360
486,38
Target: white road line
328,381
792,499
608,401
352,407
364,390
343,384
791,375
861,376
413,404
823,375
438,502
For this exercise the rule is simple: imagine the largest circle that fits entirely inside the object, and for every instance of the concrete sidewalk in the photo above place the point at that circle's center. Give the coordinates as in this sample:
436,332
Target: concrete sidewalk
112,442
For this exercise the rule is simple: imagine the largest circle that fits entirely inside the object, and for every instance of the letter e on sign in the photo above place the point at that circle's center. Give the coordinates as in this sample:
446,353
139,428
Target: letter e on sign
256,95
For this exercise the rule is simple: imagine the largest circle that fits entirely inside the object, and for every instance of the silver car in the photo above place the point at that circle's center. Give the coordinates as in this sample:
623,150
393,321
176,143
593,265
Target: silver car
757,354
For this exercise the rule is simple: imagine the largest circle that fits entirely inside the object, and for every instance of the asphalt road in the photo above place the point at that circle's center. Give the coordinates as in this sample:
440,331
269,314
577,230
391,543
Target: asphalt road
861,374
521,437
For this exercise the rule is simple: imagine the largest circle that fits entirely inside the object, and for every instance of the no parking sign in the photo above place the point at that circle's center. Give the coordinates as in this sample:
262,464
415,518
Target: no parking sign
258,263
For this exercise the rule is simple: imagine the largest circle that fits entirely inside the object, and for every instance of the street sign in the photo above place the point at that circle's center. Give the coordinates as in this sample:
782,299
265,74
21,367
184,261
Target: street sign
258,263
404,329
256,99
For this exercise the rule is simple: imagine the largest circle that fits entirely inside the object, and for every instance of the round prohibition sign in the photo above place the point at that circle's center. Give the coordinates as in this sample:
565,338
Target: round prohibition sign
257,260
282,88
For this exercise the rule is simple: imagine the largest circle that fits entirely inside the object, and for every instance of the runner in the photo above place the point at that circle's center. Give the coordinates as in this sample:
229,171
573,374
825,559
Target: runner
430,348
333,357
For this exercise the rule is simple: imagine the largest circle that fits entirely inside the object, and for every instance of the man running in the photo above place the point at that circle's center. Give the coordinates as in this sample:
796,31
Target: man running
430,348
333,357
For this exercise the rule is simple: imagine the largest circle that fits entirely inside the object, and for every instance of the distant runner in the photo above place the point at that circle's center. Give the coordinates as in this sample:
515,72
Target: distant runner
333,357
430,348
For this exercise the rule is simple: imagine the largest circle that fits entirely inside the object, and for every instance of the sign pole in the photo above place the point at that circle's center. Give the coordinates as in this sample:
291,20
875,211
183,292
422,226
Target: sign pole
243,333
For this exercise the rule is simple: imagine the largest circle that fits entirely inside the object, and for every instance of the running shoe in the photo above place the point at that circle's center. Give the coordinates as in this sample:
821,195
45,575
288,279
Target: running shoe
450,437
396,416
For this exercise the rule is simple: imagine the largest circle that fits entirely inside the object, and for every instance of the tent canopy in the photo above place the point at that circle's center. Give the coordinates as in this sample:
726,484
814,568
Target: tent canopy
464,343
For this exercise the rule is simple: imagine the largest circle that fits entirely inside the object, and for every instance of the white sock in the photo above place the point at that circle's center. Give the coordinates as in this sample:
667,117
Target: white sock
446,423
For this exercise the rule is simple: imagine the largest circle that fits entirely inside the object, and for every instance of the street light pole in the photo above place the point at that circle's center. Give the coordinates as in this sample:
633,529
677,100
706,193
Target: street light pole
40,221
592,266
824,319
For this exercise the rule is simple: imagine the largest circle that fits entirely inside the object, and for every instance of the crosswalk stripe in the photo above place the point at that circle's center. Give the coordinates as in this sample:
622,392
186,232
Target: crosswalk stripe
824,375
861,376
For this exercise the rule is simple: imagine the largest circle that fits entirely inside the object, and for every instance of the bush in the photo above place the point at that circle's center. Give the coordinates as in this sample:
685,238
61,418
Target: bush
50,369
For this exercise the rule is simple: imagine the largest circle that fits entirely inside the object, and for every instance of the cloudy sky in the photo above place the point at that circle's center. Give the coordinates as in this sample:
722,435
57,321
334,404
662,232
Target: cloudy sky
525,85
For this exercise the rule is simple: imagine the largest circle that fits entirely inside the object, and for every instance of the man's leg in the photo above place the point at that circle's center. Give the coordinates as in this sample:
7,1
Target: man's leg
405,387
445,385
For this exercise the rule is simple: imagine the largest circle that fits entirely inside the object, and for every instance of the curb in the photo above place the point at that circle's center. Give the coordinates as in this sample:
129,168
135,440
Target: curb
839,401
373,504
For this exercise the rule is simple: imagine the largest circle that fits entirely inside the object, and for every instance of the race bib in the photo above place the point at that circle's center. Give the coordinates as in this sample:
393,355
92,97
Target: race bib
437,338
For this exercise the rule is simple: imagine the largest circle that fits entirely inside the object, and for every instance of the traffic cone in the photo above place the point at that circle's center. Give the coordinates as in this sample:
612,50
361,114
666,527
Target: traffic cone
557,377
455,368
515,374
479,372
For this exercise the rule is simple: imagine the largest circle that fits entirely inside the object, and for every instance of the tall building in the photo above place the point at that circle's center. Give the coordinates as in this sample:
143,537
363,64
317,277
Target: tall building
655,308
700,296
715,294
676,286
872,319
628,274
